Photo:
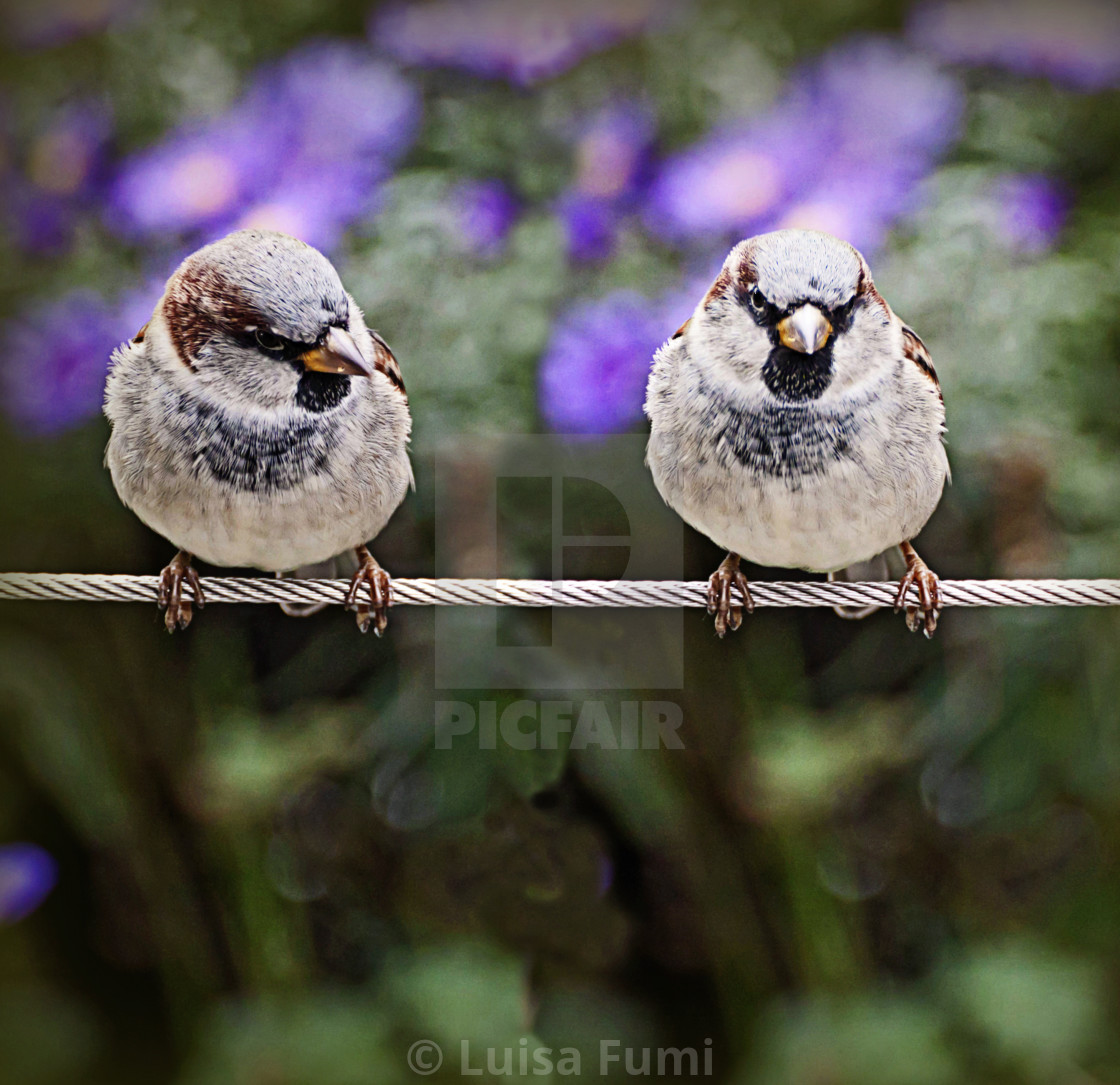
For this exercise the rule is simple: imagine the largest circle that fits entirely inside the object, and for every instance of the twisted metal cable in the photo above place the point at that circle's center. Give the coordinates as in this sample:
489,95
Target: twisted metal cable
96,587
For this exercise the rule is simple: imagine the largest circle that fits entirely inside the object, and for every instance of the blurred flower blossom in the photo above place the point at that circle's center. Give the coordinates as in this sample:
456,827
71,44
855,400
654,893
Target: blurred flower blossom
1031,210
612,152
593,373
200,176
52,22
303,150
590,225
1076,43
344,103
855,205
64,171
69,155
612,155
313,205
37,222
54,360
27,875
844,150
509,39
721,185
485,211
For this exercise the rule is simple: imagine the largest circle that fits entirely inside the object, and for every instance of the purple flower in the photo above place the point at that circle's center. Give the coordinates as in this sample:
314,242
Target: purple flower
341,104
593,373
846,145
64,170
315,206
509,39
27,875
856,205
1031,210
54,360
722,186
1076,43
199,177
612,156
590,225
68,157
37,222
485,212
612,152
886,99
48,23
303,150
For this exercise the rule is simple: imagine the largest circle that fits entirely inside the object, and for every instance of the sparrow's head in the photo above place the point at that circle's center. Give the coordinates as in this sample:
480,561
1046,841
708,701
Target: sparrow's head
796,316
261,321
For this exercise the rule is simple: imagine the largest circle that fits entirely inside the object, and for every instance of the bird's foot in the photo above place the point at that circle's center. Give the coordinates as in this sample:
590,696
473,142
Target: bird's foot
728,616
177,611
924,616
371,576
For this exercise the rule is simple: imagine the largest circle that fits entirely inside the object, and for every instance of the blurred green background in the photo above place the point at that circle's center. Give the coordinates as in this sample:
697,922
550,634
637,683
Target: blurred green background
237,856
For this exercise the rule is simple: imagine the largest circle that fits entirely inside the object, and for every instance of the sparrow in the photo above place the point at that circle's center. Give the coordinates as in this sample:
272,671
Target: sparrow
257,421
797,422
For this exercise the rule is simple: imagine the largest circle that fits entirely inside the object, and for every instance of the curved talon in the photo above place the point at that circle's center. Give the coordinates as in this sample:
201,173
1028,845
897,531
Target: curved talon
728,615
378,583
177,610
925,615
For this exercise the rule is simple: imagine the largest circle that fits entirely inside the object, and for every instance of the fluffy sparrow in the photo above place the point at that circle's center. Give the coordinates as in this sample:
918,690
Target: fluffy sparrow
797,422
257,421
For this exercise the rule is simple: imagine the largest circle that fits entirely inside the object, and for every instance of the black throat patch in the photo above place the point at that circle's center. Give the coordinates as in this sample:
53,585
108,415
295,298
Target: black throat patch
796,377
319,392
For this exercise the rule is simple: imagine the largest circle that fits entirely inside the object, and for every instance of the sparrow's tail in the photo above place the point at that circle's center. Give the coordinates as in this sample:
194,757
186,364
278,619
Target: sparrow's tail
876,568
341,565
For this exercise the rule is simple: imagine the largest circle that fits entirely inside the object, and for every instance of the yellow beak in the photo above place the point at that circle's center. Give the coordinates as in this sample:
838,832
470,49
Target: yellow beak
806,330
338,353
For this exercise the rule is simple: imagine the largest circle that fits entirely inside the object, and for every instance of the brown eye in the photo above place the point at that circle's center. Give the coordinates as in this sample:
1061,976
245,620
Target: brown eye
268,342
757,300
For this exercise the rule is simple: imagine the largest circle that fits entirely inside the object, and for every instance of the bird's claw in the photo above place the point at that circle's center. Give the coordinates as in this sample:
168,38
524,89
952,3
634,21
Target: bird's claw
177,611
728,615
925,615
377,582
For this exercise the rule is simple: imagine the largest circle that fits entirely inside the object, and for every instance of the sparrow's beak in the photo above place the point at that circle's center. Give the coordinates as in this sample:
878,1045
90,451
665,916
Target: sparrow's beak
806,330
338,353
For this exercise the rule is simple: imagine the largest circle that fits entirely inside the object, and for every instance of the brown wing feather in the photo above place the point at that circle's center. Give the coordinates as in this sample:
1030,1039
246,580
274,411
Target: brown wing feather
385,362
914,350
